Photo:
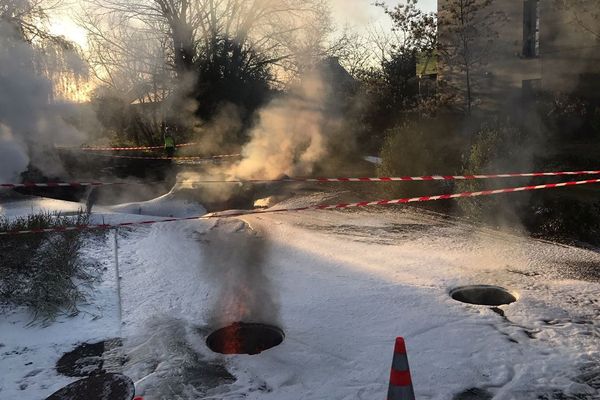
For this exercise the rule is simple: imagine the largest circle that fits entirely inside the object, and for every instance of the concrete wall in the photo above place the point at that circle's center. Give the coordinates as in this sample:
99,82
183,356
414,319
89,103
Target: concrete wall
569,56
570,53
499,77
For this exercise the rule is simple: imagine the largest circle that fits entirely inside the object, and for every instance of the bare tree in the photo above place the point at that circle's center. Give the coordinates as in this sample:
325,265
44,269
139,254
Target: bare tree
27,17
199,54
414,29
467,29
56,58
197,28
585,14
355,52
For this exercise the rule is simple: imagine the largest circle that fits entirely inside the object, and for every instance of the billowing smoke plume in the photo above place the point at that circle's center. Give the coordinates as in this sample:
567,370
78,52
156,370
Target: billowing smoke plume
220,135
29,122
291,134
236,258
13,155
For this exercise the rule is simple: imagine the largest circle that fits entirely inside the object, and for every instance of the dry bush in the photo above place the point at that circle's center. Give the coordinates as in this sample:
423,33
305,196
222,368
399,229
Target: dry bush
416,148
44,272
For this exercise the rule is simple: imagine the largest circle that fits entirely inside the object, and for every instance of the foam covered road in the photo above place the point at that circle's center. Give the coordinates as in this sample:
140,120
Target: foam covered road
343,285
347,283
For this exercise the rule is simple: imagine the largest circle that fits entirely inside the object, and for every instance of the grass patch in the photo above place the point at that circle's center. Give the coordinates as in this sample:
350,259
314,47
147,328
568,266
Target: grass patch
46,273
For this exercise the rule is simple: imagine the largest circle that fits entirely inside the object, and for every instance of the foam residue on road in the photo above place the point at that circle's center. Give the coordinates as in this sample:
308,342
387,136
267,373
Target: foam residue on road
172,204
348,283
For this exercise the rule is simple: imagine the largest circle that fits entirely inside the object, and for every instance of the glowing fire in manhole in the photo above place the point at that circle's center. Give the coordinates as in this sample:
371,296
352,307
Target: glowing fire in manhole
484,295
244,338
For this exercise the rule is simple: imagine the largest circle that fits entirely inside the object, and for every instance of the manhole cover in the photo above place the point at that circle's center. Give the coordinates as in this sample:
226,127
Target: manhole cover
97,387
244,338
87,358
474,394
483,295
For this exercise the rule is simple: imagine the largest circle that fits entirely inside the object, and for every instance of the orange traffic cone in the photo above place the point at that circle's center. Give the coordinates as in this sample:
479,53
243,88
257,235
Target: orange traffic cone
401,387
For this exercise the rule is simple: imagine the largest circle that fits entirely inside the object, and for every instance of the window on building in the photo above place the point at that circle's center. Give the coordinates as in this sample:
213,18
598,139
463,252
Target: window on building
531,28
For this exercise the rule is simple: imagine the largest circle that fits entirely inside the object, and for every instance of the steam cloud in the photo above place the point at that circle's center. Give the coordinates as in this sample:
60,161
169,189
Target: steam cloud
29,122
235,257
13,155
290,136
293,134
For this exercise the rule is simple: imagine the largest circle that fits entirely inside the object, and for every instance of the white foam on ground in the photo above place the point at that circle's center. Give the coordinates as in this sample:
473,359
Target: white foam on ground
168,205
374,160
348,283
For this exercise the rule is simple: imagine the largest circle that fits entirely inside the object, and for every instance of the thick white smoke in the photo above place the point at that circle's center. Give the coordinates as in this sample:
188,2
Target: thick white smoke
13,155
291,134
237,258
29,123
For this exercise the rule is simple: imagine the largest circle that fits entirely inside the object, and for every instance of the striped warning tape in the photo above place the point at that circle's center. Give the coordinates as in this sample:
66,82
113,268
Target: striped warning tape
382,179
227,214
447,177
190,158
58,184
126,148
415,199
215,160
409,178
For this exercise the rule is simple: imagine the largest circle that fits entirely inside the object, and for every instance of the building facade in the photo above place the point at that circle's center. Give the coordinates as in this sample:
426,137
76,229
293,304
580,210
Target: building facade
515,48
570,47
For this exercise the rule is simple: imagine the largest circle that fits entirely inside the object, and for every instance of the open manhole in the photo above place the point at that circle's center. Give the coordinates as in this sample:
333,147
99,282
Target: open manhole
484,295
244,338
90,358
474,394
97,387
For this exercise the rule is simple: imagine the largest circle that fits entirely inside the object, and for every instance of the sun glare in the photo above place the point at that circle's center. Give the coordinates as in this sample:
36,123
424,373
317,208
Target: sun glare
62,25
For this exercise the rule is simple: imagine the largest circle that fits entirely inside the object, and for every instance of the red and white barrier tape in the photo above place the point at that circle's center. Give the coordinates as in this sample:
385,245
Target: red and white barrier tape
126,148
413,199
318,207
58,184
191,158
445,177
322,180
409,178
202,160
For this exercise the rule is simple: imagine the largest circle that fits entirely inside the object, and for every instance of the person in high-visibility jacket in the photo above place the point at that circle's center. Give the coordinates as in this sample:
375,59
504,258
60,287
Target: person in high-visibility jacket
91,197
169,143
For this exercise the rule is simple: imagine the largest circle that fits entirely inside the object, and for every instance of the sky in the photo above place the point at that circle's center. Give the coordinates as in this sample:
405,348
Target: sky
360,14
62,25
355,14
